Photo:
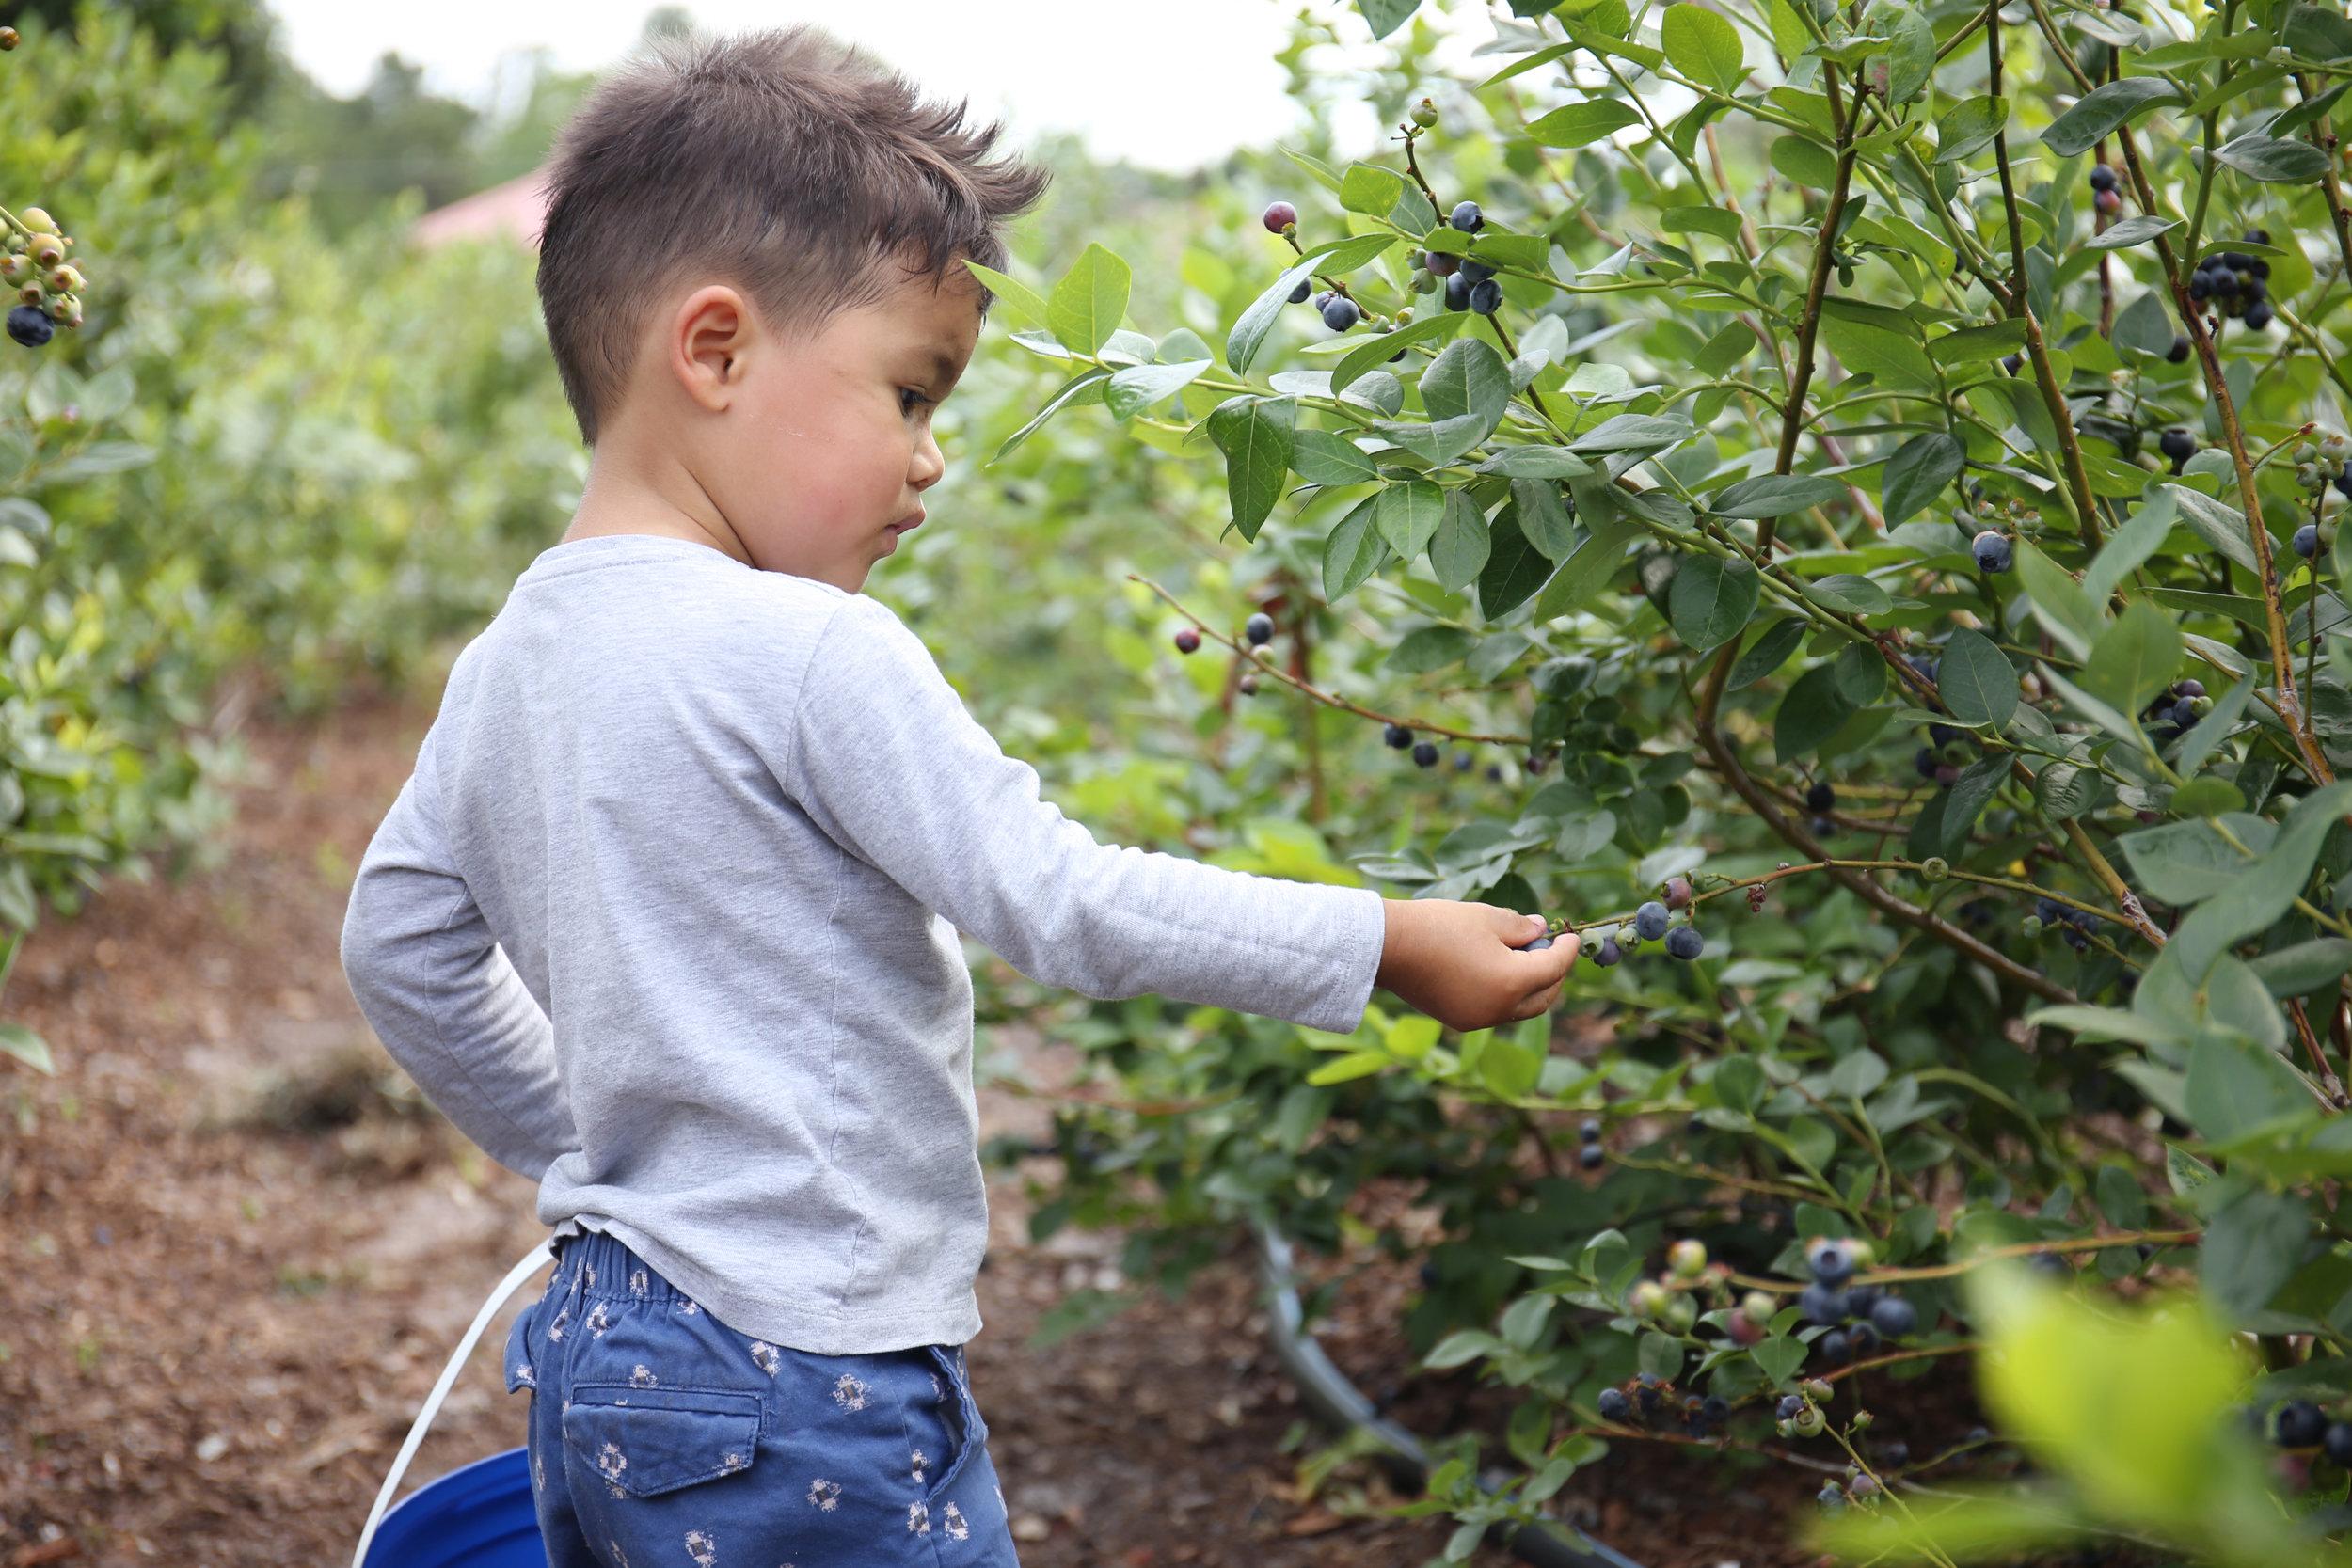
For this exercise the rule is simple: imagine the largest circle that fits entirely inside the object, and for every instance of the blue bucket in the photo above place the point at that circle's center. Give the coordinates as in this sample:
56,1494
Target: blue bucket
481,1517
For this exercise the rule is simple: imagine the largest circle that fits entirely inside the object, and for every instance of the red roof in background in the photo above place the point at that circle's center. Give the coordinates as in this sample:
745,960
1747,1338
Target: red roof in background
513,211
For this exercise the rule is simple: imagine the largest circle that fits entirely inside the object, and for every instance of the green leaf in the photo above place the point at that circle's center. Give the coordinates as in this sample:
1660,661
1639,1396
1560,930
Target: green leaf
1357,1063
1861,674
1407,514
1969,128
1852,592
2116,724
2131,232
1581,124
2120,1198
2184,863
1917,474
27,1047
2252,1248
1725,348
1321,457
1893,357
1011,291
1459,552
1254,434
1536,463
2266,891
1704,47
1813,710
1346,255
2059,600
1377,351
2302,969
1804,161
2236,1087
1780,1359
1724,225
1469,377
1634,433
1776,495
1514,569
1768,653
1739,1083
2134,659
2142,533
1250,329
2216,523
1461,1348
1429,648
2277,160
1085,387
1977,681
1543,517
1974,345
1385,17
2210,796
1352,551
1711,601
1089,302
1436,444
1138,386
1369,189
1970,794
2097,113
1910,59
1659,1356
2065,789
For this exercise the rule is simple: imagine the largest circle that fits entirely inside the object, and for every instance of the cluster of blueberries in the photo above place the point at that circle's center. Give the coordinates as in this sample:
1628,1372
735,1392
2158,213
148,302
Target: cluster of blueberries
2301,1424
2077,926
1820,800
2238,282
1702,1417
1934,760
1831,1302
1652,922
2181,706
1589,1153
2103,195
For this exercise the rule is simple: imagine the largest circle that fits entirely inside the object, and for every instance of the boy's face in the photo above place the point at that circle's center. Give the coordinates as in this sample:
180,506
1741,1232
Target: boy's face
823,450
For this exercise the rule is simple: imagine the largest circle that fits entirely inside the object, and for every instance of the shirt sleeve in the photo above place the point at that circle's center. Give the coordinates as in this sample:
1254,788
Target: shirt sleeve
441,994
885,759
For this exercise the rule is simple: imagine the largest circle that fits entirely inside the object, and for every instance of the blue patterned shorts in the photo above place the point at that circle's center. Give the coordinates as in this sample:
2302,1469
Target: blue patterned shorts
660,1435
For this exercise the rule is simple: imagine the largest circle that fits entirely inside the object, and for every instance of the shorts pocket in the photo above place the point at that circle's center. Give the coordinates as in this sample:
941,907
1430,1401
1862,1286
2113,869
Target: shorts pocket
642,1441
521,1373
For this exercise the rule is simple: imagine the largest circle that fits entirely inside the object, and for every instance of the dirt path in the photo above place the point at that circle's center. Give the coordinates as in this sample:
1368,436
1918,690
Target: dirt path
234,1250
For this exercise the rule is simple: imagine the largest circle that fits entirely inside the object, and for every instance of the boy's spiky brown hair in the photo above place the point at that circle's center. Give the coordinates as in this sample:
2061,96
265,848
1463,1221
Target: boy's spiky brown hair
786,162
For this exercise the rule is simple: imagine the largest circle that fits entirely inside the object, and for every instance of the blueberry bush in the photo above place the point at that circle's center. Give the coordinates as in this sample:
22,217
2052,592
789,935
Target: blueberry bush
1837,506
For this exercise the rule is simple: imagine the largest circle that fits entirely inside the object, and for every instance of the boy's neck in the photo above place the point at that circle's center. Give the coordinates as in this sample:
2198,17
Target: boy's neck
632,489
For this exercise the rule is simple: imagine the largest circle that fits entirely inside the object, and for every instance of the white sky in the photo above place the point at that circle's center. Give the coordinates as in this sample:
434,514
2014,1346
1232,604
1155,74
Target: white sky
1169,86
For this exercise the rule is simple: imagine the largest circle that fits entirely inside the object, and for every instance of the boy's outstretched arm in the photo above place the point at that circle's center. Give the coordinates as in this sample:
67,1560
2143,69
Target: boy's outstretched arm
441,996
889,765
1466,965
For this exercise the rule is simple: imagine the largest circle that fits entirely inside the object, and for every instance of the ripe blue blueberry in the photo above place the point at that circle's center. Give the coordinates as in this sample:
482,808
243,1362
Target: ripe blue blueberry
1467,218
1397,736
2338,1444
1538,945
1835,1348
1895,1318
1443,265
1650,919
1992,551
1477,272
1823,1304
1790,1407
2300,1425
2259,315
1615,1406
1258,628
1864,1338
1458,293
2178,354
1298,295
1685,942
1832,1262
2307,541
1610,955
2177,444
1590,1131
1340,313
1821,796
1464,762
30,325
1485,298
1590,1156
1715,1409
1425,754
1859,1299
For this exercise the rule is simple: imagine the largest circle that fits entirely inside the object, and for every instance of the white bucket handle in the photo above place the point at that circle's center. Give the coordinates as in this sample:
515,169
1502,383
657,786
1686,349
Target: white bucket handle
537,1259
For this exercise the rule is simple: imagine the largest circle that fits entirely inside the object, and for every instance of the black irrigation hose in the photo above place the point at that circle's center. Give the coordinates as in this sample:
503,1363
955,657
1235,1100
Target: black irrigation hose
1341,1404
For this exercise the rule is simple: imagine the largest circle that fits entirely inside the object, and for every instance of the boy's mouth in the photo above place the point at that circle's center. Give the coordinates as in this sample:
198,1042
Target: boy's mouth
907,525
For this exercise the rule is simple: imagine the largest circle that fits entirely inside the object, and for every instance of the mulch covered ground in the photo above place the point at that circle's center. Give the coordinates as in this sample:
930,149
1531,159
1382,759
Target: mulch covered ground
234,1251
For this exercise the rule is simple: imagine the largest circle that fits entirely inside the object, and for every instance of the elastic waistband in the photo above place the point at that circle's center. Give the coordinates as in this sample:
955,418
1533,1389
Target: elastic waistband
601,1267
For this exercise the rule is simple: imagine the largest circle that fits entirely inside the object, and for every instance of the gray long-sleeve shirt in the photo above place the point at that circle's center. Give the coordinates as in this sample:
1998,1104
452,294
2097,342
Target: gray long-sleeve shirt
667,918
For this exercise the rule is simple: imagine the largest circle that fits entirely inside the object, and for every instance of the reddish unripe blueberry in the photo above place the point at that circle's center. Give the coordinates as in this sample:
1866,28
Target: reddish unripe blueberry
1677,892
1187,641
2108,202
1281,215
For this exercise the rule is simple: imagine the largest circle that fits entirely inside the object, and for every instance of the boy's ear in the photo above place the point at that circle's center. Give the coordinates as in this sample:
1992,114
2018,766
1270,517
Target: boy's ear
711,334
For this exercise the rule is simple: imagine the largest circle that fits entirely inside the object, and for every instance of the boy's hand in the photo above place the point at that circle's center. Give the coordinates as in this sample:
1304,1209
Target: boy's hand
1464,965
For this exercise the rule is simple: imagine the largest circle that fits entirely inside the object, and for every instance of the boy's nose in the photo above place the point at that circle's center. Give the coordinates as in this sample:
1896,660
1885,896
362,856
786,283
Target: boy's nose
924,472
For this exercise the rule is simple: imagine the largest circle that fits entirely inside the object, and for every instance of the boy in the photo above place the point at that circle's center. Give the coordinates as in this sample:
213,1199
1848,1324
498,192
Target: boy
667,916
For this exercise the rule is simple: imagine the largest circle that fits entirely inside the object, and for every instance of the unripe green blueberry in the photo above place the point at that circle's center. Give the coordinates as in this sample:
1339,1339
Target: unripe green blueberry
1687,1259
30,293
1934,869
1648,1299
1808,1422
16,268
64,280
1405,316
2031,927
1757,1307
1424,282
48,249
2306,453
37,220
65,309
1681,1313
1425,114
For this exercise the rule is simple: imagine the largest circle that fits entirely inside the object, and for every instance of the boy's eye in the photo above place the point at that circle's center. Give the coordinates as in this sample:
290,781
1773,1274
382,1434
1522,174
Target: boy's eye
911,399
